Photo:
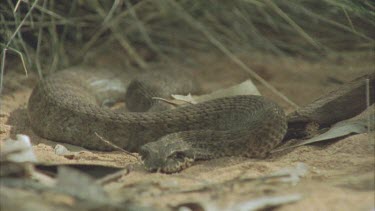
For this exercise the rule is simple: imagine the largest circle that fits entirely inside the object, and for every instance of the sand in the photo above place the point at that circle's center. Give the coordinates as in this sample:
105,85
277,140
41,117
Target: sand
340,173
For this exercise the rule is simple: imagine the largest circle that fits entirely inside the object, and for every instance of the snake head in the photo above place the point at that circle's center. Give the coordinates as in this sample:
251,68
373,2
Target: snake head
169,154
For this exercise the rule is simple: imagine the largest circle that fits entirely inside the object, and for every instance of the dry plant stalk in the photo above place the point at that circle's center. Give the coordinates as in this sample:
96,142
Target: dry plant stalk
116,147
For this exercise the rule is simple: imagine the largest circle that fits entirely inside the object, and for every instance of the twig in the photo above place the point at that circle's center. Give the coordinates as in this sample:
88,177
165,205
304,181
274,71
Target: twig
116,147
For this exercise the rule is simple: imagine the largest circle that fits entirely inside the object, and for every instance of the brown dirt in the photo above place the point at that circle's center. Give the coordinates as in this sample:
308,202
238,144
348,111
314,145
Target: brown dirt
341,173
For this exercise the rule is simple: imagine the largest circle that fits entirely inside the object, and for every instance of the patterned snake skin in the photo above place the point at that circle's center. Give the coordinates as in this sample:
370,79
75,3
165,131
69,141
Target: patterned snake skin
66,107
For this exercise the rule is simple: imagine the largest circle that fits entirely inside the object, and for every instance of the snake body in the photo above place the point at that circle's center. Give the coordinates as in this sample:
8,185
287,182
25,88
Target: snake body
65,107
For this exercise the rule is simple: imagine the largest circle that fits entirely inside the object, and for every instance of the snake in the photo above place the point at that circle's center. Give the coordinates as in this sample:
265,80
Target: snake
72,106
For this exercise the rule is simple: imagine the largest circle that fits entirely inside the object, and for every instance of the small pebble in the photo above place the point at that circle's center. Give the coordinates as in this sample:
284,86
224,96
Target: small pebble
61,150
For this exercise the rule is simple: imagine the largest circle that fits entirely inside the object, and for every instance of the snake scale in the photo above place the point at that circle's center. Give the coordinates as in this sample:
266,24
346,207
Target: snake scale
67,106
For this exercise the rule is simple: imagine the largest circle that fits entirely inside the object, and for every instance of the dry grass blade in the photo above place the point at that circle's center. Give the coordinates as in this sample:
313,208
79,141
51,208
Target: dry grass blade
116,147
2,67
190,20
142,28
21,24
349,20
122,39
115,21
3,56
293,24
39,42
334,23
129,48
231,27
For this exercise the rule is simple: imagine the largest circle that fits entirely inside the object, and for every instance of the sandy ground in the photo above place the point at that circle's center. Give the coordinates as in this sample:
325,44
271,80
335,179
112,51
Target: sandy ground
340,173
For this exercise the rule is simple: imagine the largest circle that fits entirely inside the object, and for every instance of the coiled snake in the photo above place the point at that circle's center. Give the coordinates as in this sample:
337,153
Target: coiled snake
67,107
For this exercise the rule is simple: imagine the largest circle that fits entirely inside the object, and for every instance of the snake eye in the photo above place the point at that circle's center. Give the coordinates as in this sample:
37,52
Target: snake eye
178,155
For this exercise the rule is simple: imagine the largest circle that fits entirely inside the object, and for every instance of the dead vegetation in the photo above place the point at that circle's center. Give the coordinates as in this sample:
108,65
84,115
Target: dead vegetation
47,35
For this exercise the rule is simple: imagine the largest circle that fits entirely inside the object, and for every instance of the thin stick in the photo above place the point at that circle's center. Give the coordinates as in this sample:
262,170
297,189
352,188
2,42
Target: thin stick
2,68
116,147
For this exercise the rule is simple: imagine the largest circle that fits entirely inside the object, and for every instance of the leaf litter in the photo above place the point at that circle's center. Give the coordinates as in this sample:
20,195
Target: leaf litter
278,178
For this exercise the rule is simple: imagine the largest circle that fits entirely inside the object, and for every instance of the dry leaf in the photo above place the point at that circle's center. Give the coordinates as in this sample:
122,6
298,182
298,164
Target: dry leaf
79,184
295,173
338,130
265,202
245,88
19,150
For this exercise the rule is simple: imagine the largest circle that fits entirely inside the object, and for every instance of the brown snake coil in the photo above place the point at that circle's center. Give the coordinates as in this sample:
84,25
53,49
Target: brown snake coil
65,107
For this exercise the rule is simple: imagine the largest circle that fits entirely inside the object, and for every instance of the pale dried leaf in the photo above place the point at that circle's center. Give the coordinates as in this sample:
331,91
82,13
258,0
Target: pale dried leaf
19,150
172,102
338,130
79,184
245,88
185,98
265,202
295,173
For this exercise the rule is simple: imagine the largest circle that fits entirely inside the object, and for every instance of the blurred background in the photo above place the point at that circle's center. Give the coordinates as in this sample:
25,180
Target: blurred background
48,35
